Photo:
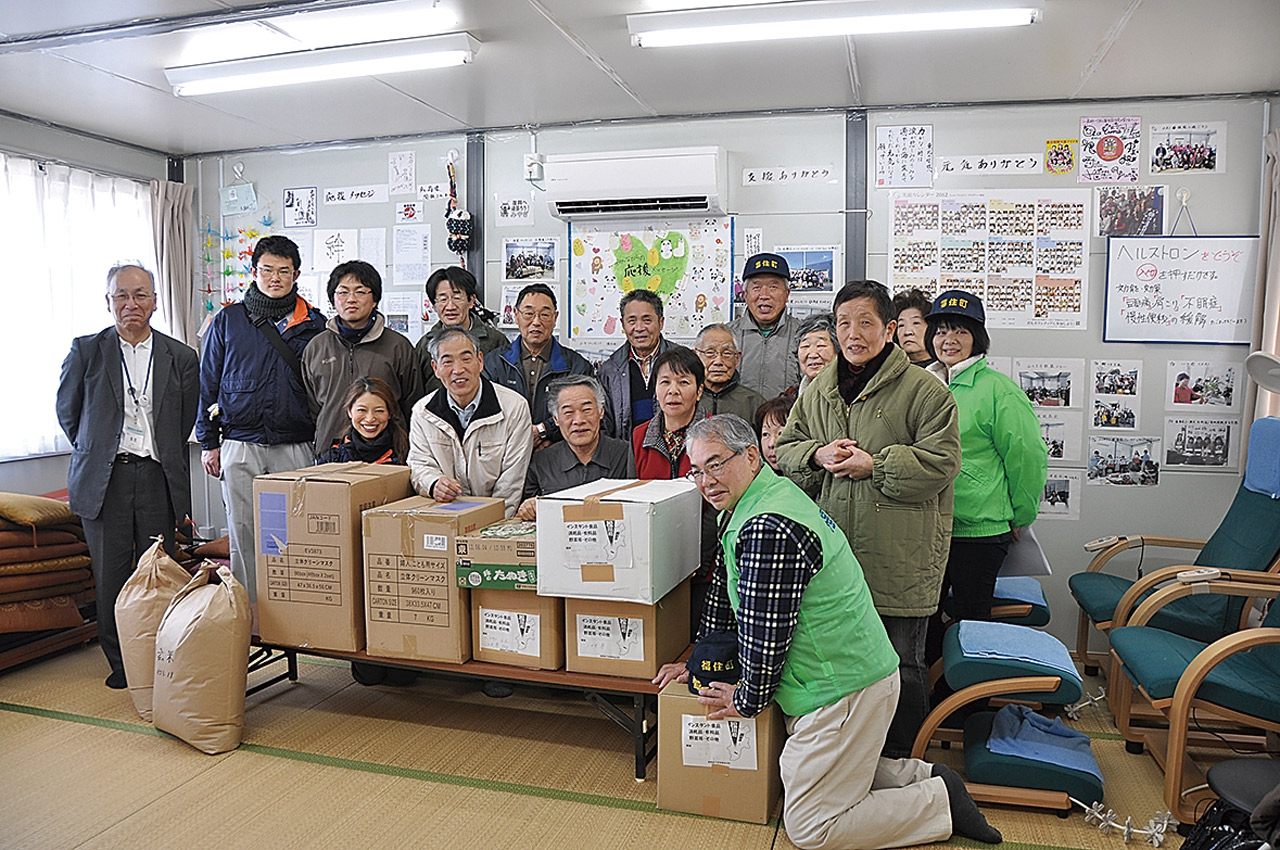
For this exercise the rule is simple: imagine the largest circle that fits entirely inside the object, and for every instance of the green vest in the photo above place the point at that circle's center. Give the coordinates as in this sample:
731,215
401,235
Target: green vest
839,646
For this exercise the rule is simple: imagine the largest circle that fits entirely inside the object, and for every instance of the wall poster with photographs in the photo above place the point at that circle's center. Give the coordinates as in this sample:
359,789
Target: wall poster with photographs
1201,386
1024,252
1188,147
1202,443
1063,433
1051,382
528,259
1131,210
1124,460
1115,392
1061,496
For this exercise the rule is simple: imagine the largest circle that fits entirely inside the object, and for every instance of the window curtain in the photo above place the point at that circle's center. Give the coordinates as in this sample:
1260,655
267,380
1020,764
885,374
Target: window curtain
1268,290
61,230
175,255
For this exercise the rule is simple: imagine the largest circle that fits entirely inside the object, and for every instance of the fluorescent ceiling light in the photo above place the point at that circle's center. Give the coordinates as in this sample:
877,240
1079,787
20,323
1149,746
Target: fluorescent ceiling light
805,20
330,63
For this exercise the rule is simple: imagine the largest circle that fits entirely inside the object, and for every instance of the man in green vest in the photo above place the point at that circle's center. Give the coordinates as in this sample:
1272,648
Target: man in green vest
809,638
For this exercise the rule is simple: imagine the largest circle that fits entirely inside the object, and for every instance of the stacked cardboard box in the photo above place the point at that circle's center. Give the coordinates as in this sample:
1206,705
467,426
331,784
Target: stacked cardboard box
415,608
308,550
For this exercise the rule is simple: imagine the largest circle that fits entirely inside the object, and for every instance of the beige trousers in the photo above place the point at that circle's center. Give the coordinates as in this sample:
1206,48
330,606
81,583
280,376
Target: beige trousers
841,795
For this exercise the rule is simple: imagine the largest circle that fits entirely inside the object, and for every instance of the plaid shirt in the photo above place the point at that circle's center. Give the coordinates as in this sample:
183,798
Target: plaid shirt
776,558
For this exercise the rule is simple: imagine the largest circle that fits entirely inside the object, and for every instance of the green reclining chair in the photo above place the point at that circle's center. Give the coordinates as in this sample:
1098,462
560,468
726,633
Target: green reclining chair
983,660
1247,539
1236,677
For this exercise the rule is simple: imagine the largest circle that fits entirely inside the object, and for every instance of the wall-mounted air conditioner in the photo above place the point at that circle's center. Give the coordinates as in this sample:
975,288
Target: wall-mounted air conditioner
636,183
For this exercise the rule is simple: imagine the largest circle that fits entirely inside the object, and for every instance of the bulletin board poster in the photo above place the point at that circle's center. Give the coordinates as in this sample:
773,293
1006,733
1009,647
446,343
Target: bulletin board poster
1024,252
1180,289
689,264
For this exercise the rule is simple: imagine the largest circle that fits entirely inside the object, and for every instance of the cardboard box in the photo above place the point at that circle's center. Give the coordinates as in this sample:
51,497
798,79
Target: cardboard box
503,556
308,550
626,638
628,541
415,608
517,627
718,768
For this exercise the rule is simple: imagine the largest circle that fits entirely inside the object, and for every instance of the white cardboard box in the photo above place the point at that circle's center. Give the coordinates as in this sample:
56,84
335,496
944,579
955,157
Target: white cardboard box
620,540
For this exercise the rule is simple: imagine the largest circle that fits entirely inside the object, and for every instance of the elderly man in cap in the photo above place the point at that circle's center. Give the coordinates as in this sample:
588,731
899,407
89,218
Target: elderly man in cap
809,639
767,334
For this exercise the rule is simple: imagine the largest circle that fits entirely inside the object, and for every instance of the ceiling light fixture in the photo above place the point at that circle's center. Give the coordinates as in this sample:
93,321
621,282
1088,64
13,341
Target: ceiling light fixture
329,63
772,21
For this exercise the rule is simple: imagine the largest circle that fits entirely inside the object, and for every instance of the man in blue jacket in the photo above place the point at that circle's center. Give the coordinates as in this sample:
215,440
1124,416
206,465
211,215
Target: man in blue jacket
254,414
535,358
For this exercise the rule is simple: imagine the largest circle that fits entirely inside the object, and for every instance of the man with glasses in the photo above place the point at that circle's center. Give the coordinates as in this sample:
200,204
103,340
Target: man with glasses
809,639
254,414
767,334
356,344
877,444
535,358
127,400
454,294
722,392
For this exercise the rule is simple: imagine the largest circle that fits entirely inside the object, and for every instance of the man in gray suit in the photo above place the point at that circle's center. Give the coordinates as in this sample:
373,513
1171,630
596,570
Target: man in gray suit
127,402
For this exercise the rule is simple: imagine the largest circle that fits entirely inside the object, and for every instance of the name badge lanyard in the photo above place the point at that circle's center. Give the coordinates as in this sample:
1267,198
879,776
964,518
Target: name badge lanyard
133,394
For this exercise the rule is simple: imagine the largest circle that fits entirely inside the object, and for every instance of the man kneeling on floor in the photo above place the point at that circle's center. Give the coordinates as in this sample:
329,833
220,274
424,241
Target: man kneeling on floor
809,637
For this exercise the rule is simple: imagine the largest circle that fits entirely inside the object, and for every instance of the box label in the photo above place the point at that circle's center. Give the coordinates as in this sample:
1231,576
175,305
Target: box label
273,523
496,576
305,573
409,590
620,638
435,542
604,541
730,742
511,631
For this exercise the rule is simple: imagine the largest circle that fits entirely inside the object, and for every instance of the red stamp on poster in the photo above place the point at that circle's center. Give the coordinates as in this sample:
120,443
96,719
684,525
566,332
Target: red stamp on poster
1110,148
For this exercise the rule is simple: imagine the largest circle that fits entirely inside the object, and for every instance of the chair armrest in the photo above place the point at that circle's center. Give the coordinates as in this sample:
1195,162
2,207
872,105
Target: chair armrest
973,693
1231,583
1210,657
1138,542
1153,579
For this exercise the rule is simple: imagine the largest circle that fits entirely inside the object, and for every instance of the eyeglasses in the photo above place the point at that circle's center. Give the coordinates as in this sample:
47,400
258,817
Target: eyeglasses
544,315
718,353
343,294
135,297
271,273
455,297
711,470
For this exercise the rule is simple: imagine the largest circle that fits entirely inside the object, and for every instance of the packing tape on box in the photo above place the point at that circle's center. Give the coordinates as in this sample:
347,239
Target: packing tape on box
720,769
297,489
597,572
592,512
596,498
409,643
711,806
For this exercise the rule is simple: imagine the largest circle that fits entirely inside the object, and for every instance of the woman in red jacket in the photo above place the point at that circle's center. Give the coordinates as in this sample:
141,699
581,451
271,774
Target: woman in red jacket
659,443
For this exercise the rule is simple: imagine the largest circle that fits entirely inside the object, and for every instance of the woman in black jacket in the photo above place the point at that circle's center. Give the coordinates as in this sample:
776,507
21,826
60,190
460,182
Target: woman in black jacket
376,434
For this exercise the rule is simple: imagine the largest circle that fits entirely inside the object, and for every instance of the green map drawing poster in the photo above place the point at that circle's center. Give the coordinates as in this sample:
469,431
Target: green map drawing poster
687,263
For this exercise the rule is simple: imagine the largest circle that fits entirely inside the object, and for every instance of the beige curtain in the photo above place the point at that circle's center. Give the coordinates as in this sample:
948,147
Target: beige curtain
174,231
1268,298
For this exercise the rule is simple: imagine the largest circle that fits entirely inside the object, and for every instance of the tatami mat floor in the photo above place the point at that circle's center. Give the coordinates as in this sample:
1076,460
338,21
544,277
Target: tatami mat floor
329,763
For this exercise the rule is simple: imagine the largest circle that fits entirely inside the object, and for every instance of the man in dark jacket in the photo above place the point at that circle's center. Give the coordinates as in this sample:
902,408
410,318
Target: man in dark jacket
456,297
127,400
627,376
535,358
723,392
356,344
254,413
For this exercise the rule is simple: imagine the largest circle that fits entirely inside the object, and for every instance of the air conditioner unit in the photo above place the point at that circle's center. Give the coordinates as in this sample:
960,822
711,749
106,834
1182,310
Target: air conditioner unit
636,183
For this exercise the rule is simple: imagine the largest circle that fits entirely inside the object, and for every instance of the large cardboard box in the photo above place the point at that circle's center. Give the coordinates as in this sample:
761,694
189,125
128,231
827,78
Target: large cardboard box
415,609
628,541
502,556
308,550
626,638
517,627
720,768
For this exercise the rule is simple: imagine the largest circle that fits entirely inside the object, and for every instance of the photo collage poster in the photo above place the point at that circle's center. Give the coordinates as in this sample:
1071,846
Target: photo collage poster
688,263
1024,252
1206,443
1124,460
1115,387
1061,496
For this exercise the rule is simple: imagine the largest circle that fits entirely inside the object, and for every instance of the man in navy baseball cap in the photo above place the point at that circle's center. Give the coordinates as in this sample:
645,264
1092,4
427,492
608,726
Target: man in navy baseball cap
766,334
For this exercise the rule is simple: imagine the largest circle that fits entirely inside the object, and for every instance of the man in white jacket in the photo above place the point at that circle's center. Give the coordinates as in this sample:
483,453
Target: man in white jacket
471,437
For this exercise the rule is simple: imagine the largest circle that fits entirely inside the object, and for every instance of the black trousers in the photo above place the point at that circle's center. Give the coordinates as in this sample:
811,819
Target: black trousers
970,577
135,510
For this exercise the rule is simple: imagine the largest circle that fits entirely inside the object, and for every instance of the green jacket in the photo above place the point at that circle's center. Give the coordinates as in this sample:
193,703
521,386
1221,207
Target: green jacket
1005,460
839,645
898,520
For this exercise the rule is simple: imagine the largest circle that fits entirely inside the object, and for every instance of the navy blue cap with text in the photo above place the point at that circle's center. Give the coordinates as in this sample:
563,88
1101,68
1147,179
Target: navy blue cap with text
957,302
714,659
766,264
